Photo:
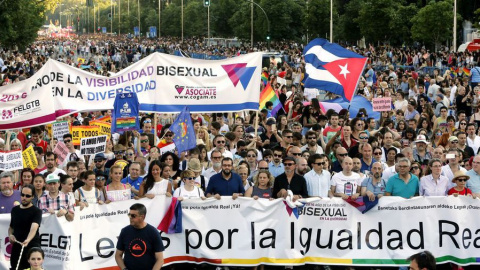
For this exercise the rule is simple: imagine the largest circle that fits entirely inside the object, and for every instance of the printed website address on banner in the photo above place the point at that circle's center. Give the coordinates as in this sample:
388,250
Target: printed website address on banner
195,97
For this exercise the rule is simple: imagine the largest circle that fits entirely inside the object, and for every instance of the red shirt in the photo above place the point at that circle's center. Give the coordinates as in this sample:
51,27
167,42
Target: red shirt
42,144
464,192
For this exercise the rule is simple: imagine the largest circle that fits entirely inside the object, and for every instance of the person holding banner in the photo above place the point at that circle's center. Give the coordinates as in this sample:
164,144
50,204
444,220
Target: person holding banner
88,194
154,184
116,191
55,201
23,231
9,197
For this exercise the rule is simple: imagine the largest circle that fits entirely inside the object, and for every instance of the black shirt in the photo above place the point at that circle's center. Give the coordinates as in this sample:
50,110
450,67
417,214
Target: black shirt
21,222
297,185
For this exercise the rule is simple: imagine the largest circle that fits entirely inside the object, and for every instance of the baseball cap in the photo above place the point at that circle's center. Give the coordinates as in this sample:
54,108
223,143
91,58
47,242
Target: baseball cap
52,178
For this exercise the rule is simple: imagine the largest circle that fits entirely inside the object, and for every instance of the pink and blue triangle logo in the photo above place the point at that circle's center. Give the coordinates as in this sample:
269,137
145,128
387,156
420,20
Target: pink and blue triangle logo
239,73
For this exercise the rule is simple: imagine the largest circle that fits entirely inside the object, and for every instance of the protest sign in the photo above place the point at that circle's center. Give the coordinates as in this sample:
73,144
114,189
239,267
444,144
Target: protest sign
29,158
62,151
104,128
236,232
59,129
57,89
93,145
125,113
79,132
11,160
382,104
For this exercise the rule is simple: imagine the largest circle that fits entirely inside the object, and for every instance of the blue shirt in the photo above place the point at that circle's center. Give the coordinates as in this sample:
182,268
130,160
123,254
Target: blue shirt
134,183
376,189
474,182
397,187
219,185
365,166
276,170
475,74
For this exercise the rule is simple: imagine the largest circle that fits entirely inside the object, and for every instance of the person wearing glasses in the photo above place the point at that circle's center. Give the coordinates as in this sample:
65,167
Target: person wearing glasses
56,202
420,152
449,170
189,189
219,143
318,179
340,154
51,164
99,164
225,183
404,183
289,180
144,144
276,166
312,145
374,186
73,154
434,184
24,223
139,244
460,188
119,151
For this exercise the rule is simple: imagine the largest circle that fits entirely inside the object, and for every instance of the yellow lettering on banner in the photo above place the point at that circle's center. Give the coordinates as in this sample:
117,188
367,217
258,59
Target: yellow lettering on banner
79,132
29,158
104,128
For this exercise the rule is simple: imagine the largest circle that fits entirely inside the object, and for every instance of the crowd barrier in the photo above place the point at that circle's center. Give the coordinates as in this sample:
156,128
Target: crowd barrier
247,232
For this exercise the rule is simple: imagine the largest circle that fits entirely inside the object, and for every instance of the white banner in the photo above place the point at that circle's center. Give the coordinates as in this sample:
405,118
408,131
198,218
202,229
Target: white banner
163,83
11,160
245,232
93,145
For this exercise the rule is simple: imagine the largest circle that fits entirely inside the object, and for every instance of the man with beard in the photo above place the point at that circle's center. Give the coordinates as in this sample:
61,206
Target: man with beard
404,184
357,165
302,166
219,142
289,180
225,183
24,223
312,145
51,163
216,157
374,186
8,197
276,166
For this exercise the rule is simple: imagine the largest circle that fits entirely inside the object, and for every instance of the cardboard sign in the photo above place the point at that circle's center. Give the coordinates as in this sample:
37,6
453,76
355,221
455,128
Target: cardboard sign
382,104
29,158
104,128
59,129
11,160
93,145
79,132
62,151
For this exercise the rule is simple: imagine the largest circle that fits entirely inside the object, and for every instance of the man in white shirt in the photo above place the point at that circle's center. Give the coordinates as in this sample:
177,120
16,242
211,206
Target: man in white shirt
318,179
346,183
51,164
472,139
449,170
219,142
312,145
216,158
73,154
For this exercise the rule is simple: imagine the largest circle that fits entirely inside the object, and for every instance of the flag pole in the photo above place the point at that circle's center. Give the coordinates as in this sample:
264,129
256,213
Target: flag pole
154,128
256,125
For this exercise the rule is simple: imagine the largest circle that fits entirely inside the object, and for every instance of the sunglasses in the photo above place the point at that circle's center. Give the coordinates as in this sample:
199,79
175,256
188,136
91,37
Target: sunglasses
26,195
132,215
288,164
169,135
415,168
363,138
312,138
377,153
454,142
98,160
100,178
189,178
297,154
147,121
319,163
216,157
67,141
119,152
459,180
277,155
144,141
343,155
263,168
288,137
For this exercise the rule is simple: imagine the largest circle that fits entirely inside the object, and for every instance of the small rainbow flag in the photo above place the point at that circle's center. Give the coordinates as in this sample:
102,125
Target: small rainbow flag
126,123
264,78
453,71
268,94
466,71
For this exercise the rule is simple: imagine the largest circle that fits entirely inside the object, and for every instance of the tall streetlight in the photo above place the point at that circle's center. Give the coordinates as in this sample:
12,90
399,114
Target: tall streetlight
454,25
159,15
331,21
182,21
119,15
268,21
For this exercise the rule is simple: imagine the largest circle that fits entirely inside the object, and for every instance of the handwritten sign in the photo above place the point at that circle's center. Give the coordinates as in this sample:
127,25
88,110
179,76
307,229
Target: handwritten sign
93,145
382,104
29,158
62,151
11,160
60,129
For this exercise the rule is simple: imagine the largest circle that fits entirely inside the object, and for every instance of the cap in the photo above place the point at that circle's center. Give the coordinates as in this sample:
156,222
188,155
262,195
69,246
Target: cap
452,138
194,165
271,121
383,85
290,159
289,94
52,178
100,156
440,96
421,138
459,174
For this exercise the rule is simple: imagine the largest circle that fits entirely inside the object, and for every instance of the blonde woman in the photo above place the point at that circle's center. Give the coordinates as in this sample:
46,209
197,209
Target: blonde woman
116,191
205,137
262,188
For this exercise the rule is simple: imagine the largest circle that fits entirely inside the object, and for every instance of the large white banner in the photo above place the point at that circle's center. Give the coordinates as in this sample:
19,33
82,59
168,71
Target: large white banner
245,232
163,83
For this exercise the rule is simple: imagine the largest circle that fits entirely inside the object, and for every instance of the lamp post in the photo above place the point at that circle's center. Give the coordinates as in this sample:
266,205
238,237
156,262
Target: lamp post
268,22
159,15
454,25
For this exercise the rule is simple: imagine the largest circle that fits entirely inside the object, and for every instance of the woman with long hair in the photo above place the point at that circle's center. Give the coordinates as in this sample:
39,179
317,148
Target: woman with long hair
26,178
205,137
66,186
357,125
172,160
203,157
39,184
153,183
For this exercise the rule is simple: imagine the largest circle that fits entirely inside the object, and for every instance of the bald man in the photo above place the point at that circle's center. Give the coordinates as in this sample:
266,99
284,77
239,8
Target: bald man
346,183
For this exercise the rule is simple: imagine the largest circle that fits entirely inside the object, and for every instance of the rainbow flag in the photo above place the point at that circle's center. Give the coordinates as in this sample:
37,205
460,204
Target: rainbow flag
264,78
126,123
453,72
466,71
268,94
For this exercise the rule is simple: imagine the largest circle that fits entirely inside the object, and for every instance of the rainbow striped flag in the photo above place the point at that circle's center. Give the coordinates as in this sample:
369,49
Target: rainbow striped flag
268,94
466,71
264,78
126,123
453,72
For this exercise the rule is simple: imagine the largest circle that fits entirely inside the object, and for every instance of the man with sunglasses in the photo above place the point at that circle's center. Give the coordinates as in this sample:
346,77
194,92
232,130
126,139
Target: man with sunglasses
73,154
289,180
219,142
119,151
99,161
24,223
276,166
139,244
318,179
312,145
144,144
340,154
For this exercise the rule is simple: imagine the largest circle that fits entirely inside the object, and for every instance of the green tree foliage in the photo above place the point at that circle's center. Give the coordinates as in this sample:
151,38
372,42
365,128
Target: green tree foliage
19,22
433,23
375,18
317,18
348,28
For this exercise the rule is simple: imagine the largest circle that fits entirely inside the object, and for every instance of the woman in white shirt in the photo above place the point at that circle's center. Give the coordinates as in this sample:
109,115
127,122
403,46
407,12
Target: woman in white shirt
88,194
66,186
188,190
154,184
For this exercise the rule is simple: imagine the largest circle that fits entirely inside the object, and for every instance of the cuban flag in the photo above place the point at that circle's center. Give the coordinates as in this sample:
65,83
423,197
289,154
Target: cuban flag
332,68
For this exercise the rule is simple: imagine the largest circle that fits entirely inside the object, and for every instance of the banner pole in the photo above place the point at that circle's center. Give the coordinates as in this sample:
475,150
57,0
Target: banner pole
154,128
256,124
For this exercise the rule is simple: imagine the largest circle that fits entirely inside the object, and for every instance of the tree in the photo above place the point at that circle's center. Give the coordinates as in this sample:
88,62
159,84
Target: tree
433,23
20,20
317,18
401,24
348,28
374,19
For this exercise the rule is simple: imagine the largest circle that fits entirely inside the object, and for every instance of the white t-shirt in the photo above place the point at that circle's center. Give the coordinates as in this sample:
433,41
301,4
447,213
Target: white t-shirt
340,181
88,196
195,193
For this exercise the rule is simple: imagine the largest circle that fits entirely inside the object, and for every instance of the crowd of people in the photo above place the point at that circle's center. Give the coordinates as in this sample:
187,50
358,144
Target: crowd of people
427,145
